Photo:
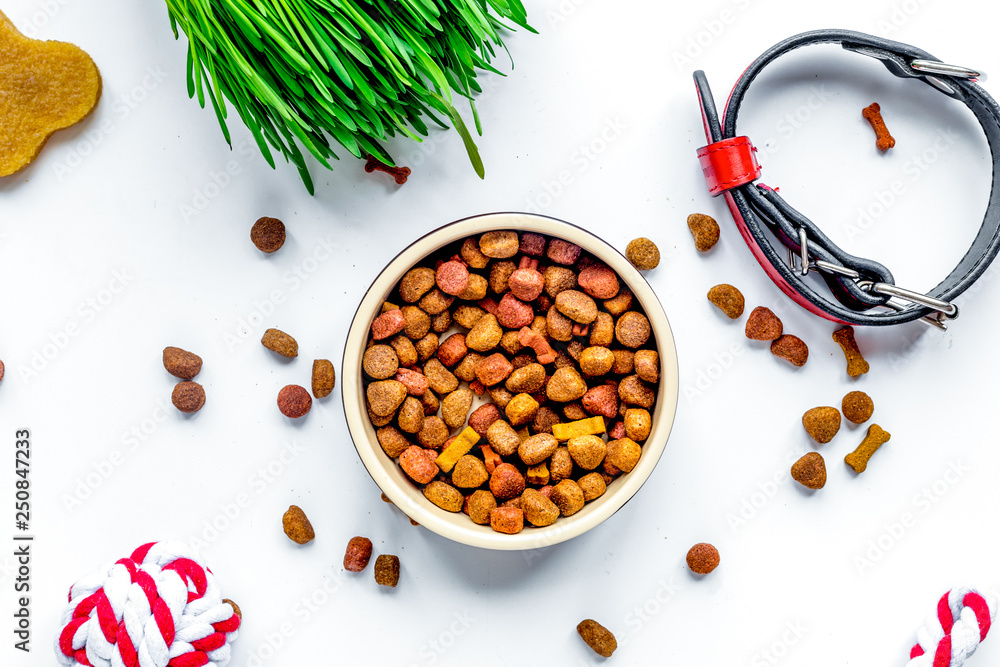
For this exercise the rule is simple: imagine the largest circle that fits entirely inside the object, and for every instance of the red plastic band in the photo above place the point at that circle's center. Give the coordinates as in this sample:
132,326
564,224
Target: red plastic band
728,163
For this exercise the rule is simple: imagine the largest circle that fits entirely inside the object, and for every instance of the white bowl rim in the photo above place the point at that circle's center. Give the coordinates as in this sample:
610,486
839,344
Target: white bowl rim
386,472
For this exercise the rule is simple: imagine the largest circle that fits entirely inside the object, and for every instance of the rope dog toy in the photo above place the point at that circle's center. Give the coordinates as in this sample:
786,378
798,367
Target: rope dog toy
159,607
954,631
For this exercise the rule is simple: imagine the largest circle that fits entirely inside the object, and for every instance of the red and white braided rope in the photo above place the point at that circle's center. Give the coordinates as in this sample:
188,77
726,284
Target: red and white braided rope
159,607
954,631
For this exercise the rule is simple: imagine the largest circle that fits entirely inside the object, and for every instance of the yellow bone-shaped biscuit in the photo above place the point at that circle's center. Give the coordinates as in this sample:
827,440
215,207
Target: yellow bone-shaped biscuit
44,86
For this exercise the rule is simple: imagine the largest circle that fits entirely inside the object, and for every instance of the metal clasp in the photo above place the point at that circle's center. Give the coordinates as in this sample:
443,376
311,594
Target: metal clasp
945,309
929,68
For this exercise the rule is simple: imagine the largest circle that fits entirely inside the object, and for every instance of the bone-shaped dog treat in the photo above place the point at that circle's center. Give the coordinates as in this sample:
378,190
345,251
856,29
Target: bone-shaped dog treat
875,438
400,174
873,114
45,86
856,364
541,346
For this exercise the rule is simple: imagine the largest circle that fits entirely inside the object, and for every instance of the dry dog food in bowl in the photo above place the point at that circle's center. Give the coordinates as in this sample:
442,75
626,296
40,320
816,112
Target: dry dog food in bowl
512,356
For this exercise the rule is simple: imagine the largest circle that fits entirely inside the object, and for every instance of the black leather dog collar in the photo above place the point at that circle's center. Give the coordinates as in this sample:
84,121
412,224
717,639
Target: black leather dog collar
857,285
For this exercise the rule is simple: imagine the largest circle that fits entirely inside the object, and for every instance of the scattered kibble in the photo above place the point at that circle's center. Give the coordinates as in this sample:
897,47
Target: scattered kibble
705,231
324,377
875,438
399,174
873,114
188,396
728,299
810,471
294,401
791,348
856,364
387,568
763,324
358,553
281,343
643,254
858,407
702,558
268,234
296,525
180,363
822,423
597,637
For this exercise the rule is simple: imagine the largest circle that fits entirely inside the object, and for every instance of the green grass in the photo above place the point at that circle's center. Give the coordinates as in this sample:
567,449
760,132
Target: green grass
312,74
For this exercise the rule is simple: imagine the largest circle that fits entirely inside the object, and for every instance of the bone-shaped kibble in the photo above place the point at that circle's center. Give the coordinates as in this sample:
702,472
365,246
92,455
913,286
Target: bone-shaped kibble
875,438
856,364
873,114
542,349
44,87
400,174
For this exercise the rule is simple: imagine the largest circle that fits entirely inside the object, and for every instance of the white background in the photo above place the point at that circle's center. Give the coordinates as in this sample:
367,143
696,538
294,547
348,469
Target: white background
596,124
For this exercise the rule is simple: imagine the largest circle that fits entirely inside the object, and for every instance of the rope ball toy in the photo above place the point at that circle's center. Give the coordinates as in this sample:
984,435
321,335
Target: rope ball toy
160,607
953,633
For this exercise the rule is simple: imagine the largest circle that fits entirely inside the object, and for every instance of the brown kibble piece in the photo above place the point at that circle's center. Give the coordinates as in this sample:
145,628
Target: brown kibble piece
508,520
384,396
596,360
647,365
324,378
856,364
634,391
705,231
577,306
643,254
821,423
538,510
357,554
392,441
702,558
499,245
485,335
296,525
857,407
632,329
455,407
479,506
792,349
568,497
506,482
521,409
188,396
537,448
416,283
469,473
763,324
281,343
624,454
434,433
411,415
565,385
45,86
593,486
597,637
810,471
471,254
268,234
387,569
380,362
179,363
728,299
445,496
294,401
873,114
875,438
587,451
638,424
